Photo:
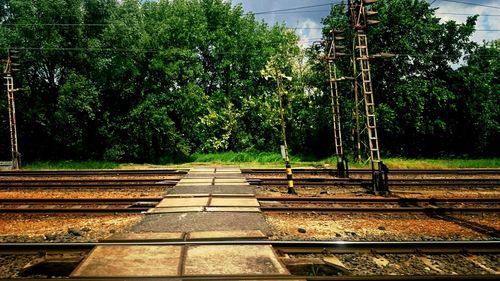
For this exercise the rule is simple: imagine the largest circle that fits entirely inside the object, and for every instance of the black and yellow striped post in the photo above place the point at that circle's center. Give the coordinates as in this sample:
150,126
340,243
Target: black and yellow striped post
289,178
284,147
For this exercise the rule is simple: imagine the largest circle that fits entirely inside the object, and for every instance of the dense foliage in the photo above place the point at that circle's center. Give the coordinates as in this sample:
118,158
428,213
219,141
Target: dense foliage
160,80
425,107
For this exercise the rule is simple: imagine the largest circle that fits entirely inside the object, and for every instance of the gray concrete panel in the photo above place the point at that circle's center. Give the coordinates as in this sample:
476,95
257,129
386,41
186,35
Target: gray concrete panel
202,221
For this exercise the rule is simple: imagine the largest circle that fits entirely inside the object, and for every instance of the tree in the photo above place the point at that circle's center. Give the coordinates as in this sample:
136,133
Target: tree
477,87
412,91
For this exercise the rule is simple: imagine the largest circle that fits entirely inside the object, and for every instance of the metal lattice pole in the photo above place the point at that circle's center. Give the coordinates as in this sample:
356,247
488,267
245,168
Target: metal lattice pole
360,20
331,57
16,156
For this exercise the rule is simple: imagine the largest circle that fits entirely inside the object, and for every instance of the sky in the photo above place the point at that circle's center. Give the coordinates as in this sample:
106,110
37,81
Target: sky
307,21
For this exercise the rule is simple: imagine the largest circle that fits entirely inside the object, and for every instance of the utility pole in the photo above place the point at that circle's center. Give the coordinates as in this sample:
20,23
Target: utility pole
8,69
332,52
284,147
361,18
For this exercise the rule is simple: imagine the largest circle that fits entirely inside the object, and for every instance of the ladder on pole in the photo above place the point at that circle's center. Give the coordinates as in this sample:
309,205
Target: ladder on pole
16,156
335,103
371,122
331,55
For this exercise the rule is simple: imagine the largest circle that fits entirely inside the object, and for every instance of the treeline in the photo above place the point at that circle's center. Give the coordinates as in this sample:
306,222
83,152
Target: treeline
157,81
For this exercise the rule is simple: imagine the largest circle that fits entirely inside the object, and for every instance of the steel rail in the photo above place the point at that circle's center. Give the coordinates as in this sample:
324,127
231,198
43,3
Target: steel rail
404,205
84,185
394,182
262,199
267,209
117,172
71,205
77,200
286,247
377,199
491,171
87,181
138,205
282,277
51,173
84,210
475,246
357,209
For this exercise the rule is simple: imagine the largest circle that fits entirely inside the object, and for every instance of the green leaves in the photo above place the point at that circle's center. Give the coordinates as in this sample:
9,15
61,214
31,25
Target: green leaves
424,107
158,80
143,80
77,112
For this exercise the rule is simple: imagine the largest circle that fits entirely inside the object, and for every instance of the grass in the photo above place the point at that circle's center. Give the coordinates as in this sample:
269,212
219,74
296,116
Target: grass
71,165
270,160
401,163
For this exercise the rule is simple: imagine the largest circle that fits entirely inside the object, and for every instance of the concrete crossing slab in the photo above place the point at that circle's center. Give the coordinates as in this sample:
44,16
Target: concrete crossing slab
232,183
183,202
233,209
215,175
187,195
191,184
228,170
176,210
130,261
197,180
236,234
234,201
231,180
214,189
202,170
202,221
210,195
232,260
149,236
207,204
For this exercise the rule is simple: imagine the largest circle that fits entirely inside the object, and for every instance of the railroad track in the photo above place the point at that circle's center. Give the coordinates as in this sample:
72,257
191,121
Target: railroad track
285,246
287,249
379,205
101,178
94,173
64,205
321,171
268,204
86,183
366,182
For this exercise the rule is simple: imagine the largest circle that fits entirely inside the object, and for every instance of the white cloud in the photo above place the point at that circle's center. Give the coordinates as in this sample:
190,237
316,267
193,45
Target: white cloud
447,10
304,20
309,31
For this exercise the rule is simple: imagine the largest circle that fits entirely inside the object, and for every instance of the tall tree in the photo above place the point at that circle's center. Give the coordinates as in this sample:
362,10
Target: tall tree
412,90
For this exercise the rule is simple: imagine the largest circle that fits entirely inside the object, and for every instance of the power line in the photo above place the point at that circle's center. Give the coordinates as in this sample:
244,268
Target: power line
320,28
56,24
459,14
474,4
107,24
293,9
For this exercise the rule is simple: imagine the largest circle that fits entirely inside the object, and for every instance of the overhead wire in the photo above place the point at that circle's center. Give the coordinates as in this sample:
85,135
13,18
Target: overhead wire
288,10
473,4
294,9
